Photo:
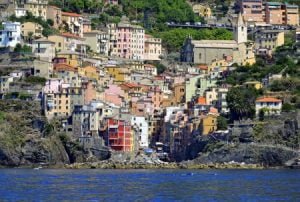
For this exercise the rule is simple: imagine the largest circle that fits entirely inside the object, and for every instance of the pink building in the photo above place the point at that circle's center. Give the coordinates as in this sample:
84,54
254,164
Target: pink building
274,13
252,10
157,97
282,13
89,91
53,85
114,95
130,40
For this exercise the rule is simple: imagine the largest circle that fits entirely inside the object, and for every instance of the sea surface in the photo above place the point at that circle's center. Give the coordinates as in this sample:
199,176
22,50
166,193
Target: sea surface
149,185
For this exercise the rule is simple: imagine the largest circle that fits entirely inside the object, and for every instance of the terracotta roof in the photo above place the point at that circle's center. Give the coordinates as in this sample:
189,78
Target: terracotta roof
64,67
202,100
213,110
149,65
70,14
268,99
70,35
130,85
54,7
203,67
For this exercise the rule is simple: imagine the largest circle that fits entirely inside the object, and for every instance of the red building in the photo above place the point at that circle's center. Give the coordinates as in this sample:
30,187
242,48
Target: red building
119,134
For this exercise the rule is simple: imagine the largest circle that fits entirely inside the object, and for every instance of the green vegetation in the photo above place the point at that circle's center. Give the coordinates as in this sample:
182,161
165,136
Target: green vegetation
47,29
160,68
221,123
173,39
17,95
159,11
78,6
22,49
2,116
241,102
35,80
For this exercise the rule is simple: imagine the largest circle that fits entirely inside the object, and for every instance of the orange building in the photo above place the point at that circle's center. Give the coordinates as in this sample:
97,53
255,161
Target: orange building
282,13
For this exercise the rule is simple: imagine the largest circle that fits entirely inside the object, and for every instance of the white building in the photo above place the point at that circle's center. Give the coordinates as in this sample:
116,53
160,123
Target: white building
20,12
140,124
4,84
269,105
44,49
10,36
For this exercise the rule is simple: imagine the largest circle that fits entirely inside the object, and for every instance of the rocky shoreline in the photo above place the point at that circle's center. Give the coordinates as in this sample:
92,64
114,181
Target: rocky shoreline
128,165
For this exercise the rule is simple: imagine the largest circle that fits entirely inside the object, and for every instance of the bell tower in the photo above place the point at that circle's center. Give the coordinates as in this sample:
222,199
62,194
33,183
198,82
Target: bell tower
240,30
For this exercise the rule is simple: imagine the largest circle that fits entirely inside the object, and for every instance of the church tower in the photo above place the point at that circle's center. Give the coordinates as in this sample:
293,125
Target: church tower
240,30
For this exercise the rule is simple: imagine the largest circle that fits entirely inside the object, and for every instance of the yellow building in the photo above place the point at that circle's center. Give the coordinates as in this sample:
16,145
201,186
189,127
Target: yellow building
72,58
253,84
208,124
222,64
33,29
202,10
58,104
67,41
90,72
120,74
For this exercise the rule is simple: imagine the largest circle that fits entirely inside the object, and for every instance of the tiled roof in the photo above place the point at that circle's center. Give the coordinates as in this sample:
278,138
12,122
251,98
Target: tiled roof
203,67
70,14
268,99
202,100
64,67
131,85
70,35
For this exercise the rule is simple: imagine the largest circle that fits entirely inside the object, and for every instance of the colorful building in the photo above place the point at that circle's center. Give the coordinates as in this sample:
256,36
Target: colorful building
281,13
120,135
252,10
72,23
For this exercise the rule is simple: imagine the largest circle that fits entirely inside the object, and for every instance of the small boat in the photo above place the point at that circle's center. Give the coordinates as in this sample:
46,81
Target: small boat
37,168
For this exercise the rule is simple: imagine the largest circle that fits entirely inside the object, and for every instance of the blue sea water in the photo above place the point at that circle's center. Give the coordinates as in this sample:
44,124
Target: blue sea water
149,185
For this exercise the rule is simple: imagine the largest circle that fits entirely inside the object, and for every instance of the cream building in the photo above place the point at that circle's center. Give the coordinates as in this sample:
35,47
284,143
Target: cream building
98,41
202,10
38,8
207,51
31,30
152,48
67,41
266,41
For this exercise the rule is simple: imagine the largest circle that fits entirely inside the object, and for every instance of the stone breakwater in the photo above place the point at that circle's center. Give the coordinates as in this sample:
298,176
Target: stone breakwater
164,165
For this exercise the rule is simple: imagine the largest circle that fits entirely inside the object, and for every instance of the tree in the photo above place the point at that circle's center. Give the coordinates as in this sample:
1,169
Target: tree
160,68
221,123
241,102
30,37
22,49
261,115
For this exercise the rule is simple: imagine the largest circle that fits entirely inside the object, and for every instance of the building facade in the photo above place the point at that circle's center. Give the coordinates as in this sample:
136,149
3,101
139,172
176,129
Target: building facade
10,36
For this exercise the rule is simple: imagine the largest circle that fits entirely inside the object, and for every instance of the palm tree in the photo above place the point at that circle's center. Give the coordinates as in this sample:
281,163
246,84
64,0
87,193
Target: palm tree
30,37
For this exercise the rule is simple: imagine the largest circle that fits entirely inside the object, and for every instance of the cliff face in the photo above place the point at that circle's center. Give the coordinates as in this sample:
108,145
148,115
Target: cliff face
26,138
270,143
